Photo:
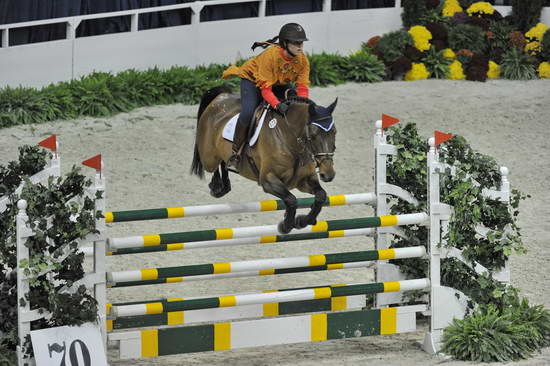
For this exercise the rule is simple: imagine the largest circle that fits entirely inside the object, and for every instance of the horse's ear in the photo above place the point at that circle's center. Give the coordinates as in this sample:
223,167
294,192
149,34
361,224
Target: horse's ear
332,106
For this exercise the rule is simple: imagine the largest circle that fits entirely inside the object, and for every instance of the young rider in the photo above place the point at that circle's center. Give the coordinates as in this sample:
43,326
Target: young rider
280,64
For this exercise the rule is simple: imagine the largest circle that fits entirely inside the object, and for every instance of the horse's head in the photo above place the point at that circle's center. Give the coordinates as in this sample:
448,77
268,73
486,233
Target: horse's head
321,138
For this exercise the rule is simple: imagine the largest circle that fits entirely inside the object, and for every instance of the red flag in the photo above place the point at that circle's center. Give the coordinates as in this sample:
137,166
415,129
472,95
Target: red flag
49,143
94,162
388,121
441,137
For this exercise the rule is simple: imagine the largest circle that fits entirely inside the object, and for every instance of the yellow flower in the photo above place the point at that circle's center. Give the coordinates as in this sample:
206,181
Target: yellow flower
494,70
533,48
451,7
544,70
421,37
418,72
537,31
449,53
455,71
481,7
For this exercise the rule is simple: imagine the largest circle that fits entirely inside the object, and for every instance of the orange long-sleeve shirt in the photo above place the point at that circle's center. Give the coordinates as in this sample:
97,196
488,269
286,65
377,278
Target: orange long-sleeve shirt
272,67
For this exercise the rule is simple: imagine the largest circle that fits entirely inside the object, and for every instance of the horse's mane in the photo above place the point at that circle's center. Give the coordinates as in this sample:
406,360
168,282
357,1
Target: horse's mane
300,100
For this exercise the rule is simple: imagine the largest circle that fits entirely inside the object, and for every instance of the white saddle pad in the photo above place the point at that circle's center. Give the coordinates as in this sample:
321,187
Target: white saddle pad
229,129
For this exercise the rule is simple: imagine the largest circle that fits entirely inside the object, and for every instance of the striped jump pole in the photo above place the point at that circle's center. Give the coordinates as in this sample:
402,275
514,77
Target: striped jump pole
264,298
227,208
245,241
265,272
252,231
265,264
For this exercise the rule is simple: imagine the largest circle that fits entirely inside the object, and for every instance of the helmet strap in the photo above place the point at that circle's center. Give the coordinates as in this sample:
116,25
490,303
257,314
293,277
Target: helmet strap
285,46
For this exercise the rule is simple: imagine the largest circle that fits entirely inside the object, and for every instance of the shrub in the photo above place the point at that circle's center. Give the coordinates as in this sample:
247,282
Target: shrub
436,63
324,69
478,68
392,45
526,14
438,31
517,65
400,67
363,67
498,37
412,11
517,40
413,53
491,334
545,47
467,36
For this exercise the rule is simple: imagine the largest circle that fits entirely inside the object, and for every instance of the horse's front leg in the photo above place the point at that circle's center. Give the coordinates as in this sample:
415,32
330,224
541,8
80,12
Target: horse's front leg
311,185
273,185
220,184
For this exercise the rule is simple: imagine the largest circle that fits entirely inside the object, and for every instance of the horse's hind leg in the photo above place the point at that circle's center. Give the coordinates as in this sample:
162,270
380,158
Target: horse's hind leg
220,184
311,185
273,185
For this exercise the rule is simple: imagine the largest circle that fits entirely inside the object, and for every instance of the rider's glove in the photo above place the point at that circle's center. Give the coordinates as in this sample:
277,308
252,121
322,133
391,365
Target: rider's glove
282,108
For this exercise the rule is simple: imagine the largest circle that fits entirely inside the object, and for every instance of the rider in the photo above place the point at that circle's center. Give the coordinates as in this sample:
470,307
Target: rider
280,64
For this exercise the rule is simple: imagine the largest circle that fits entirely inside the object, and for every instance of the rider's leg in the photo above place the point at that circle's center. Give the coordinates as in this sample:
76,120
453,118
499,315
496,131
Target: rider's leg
250,98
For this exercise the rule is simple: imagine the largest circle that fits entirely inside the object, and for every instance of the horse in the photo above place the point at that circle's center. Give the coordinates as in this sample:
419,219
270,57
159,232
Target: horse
289,150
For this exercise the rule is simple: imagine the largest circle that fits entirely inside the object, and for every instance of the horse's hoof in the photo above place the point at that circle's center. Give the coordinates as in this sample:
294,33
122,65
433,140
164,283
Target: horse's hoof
281,227
219,191
300,222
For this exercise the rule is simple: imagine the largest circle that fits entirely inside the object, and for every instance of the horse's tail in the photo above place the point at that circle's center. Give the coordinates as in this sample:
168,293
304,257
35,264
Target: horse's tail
207,98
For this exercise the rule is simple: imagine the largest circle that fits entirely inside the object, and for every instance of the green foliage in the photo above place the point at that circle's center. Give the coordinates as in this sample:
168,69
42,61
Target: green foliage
491,334
437,65
412,12
499,42
545,44
363,67
526,14
517,65
59,214
462,190
32,159
466,36
325,69
20,106
392,45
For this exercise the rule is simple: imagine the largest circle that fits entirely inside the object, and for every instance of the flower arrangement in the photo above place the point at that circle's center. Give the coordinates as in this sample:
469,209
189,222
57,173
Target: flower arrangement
451,7
537,32
479,8
418,72
456,72
463,39
449,53
494,70
421,37
533,48
544,70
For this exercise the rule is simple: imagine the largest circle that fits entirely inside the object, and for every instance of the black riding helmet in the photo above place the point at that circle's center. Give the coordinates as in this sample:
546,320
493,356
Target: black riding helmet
292,32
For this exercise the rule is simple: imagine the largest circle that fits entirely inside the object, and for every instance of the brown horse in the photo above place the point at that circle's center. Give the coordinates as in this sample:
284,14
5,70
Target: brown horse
289,150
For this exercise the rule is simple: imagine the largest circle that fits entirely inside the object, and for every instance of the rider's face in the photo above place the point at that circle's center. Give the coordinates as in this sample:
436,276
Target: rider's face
296,47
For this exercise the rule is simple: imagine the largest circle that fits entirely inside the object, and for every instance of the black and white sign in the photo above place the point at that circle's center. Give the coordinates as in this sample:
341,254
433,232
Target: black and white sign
69,346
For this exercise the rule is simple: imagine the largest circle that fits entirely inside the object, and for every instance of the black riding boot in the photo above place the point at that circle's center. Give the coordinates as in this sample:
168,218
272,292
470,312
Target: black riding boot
238,140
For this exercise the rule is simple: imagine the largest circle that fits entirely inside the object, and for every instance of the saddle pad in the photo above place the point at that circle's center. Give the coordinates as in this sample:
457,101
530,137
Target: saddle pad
229,129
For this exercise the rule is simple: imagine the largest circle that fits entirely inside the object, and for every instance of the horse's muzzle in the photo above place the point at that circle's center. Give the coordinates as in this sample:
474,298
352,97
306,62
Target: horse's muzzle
326,170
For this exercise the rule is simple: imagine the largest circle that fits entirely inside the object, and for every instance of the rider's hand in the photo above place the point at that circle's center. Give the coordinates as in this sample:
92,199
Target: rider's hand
282,108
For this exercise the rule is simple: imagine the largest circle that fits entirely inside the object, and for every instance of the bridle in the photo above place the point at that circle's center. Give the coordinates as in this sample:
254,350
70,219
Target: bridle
307,142
317,157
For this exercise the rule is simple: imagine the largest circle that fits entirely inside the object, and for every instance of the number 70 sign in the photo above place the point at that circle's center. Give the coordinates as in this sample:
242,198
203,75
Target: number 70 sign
69,346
